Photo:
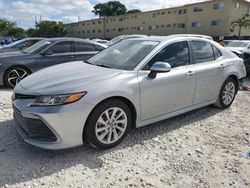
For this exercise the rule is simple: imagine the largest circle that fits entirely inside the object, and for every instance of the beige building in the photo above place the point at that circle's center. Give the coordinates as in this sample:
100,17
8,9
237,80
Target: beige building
209,18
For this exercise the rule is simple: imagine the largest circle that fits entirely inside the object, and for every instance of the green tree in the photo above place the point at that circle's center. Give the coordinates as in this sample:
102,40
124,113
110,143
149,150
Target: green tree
133,11
240,23
48,29
17,32
5,27
111,8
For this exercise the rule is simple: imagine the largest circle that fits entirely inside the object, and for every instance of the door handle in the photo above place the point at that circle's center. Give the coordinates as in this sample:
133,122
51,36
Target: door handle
190,73
222,66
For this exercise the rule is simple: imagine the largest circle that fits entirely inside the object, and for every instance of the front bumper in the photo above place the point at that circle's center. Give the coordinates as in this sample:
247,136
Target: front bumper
54,127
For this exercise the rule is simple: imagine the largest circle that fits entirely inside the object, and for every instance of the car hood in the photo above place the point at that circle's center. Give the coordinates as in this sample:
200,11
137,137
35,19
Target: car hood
11,54
62,79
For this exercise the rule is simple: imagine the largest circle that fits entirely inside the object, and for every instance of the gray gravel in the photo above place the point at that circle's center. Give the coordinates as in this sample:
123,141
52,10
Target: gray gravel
203,148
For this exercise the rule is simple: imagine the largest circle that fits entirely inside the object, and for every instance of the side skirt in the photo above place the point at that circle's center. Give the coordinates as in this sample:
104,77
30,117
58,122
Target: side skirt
173,114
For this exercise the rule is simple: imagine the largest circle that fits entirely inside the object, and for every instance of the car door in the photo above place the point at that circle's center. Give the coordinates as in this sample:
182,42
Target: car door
208,68
58,53
170,91
84,51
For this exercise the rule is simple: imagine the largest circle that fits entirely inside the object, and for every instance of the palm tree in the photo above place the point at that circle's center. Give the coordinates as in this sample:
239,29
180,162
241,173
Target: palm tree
240,23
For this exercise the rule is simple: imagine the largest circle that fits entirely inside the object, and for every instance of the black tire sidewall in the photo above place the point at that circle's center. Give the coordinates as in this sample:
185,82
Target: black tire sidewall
89,131
221,92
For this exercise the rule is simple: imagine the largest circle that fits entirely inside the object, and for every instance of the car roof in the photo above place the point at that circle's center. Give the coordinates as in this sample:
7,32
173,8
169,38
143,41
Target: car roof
62,39
169,37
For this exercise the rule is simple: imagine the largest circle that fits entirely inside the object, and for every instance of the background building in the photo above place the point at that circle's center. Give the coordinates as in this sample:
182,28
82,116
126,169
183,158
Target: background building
210,18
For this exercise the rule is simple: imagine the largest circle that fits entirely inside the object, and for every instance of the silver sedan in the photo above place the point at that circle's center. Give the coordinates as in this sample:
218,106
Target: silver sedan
129,85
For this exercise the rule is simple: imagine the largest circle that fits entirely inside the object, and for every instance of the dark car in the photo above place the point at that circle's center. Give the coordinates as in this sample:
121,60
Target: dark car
20,44
14,66
246,57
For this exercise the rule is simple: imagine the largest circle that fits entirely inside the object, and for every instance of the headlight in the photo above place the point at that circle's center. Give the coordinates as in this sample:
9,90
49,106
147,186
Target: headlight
57,99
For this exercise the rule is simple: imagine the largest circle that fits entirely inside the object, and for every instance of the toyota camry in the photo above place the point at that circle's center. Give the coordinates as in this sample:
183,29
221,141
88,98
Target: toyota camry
129,85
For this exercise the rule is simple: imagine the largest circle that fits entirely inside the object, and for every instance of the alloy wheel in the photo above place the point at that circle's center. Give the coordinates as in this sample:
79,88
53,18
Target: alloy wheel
16,75
111,125
228,93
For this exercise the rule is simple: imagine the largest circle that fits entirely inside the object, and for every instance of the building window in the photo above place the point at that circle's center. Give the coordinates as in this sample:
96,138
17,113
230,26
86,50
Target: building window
218,6
198,9
196,24
93,23
99,22
162,26
151,27
181,25
182,11
107,30
83,24
169,12
93,31
216,22
174,25
162,13
88,31
114,29
168,25
140,28
83,32
99,30
153,15
248,10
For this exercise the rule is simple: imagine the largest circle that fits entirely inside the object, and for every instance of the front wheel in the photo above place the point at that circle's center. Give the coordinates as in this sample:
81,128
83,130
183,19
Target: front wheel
108,124
227,94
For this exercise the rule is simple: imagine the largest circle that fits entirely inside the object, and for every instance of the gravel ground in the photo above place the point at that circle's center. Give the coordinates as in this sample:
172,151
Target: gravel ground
204,148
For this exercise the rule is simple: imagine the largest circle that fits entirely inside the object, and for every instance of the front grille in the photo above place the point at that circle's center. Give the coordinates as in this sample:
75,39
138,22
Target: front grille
34,128
20,96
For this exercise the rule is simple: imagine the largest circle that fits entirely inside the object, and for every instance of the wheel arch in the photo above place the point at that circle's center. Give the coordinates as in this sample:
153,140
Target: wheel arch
123,99
15,66
236,79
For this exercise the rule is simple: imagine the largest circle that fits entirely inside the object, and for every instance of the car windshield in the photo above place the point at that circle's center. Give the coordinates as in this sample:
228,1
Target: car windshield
240,44
125,55
12,45
38,47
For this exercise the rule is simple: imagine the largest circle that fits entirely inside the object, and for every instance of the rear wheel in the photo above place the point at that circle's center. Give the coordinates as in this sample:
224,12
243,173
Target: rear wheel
108,124
14,75
227,94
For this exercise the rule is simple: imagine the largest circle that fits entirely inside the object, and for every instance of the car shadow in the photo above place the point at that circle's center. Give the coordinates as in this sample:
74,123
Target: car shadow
26,162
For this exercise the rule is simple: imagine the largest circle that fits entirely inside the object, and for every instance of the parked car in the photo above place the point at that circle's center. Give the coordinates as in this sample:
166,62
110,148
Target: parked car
14,66
246,58
131,84
101,41
20,45
237,46
123,37
194,35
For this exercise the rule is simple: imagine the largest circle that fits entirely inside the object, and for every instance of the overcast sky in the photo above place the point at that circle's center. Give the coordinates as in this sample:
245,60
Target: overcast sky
25,11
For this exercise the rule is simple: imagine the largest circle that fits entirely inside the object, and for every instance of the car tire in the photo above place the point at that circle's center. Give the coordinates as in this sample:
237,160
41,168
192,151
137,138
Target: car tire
108,124
227,94
14,75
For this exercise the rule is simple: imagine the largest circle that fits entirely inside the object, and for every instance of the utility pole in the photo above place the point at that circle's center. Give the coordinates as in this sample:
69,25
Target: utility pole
78,18
35,19
40,18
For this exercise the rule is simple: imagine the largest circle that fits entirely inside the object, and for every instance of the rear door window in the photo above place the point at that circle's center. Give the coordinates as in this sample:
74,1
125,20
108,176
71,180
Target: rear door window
202,51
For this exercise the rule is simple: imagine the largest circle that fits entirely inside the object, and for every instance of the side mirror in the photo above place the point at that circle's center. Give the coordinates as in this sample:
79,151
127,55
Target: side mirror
159,67
47,53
